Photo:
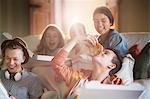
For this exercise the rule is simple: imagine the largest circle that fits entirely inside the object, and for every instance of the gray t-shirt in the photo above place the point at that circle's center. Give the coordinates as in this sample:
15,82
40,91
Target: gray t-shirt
29,87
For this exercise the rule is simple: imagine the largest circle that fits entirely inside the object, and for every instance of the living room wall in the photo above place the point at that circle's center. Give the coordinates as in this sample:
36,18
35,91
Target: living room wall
134,16
0,15
149,15
14,17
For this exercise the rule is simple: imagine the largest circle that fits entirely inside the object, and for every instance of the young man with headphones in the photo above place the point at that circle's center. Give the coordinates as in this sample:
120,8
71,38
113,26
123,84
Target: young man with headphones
18,82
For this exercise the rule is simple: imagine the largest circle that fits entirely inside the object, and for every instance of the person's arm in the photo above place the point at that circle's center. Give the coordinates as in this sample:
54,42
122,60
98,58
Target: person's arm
118,43
66,72
68,47
61,56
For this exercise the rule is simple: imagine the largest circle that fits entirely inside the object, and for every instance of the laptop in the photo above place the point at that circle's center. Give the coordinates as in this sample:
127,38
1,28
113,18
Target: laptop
111,92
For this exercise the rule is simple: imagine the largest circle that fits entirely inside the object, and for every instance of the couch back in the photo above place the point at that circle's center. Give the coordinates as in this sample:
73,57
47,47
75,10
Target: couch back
140,38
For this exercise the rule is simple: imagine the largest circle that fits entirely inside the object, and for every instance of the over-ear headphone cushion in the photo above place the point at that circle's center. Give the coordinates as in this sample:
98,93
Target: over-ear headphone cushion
16,77
7,75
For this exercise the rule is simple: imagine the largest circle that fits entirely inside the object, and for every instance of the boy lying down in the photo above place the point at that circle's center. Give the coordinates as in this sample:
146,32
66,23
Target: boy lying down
106,63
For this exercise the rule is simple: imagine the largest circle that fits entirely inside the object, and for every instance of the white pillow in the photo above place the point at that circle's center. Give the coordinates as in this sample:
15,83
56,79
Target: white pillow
126,72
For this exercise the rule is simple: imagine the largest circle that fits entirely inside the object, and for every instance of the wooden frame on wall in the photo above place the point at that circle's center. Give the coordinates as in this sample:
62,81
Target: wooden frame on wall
114,7
41,14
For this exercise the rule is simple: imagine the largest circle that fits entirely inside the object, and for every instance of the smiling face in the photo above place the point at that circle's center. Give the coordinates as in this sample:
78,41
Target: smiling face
102,23
77,30
13,59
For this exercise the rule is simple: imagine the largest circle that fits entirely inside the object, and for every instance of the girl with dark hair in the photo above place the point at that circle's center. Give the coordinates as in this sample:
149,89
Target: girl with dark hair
109,38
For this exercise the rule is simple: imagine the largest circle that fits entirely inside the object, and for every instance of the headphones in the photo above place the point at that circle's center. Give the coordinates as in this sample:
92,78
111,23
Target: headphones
16,77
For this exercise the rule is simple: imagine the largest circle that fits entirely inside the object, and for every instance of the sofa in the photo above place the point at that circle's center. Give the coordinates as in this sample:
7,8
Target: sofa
140,38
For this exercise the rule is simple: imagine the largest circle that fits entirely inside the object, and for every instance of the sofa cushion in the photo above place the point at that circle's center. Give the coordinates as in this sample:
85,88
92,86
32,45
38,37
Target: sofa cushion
140,38
32,41
126,72
134,50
